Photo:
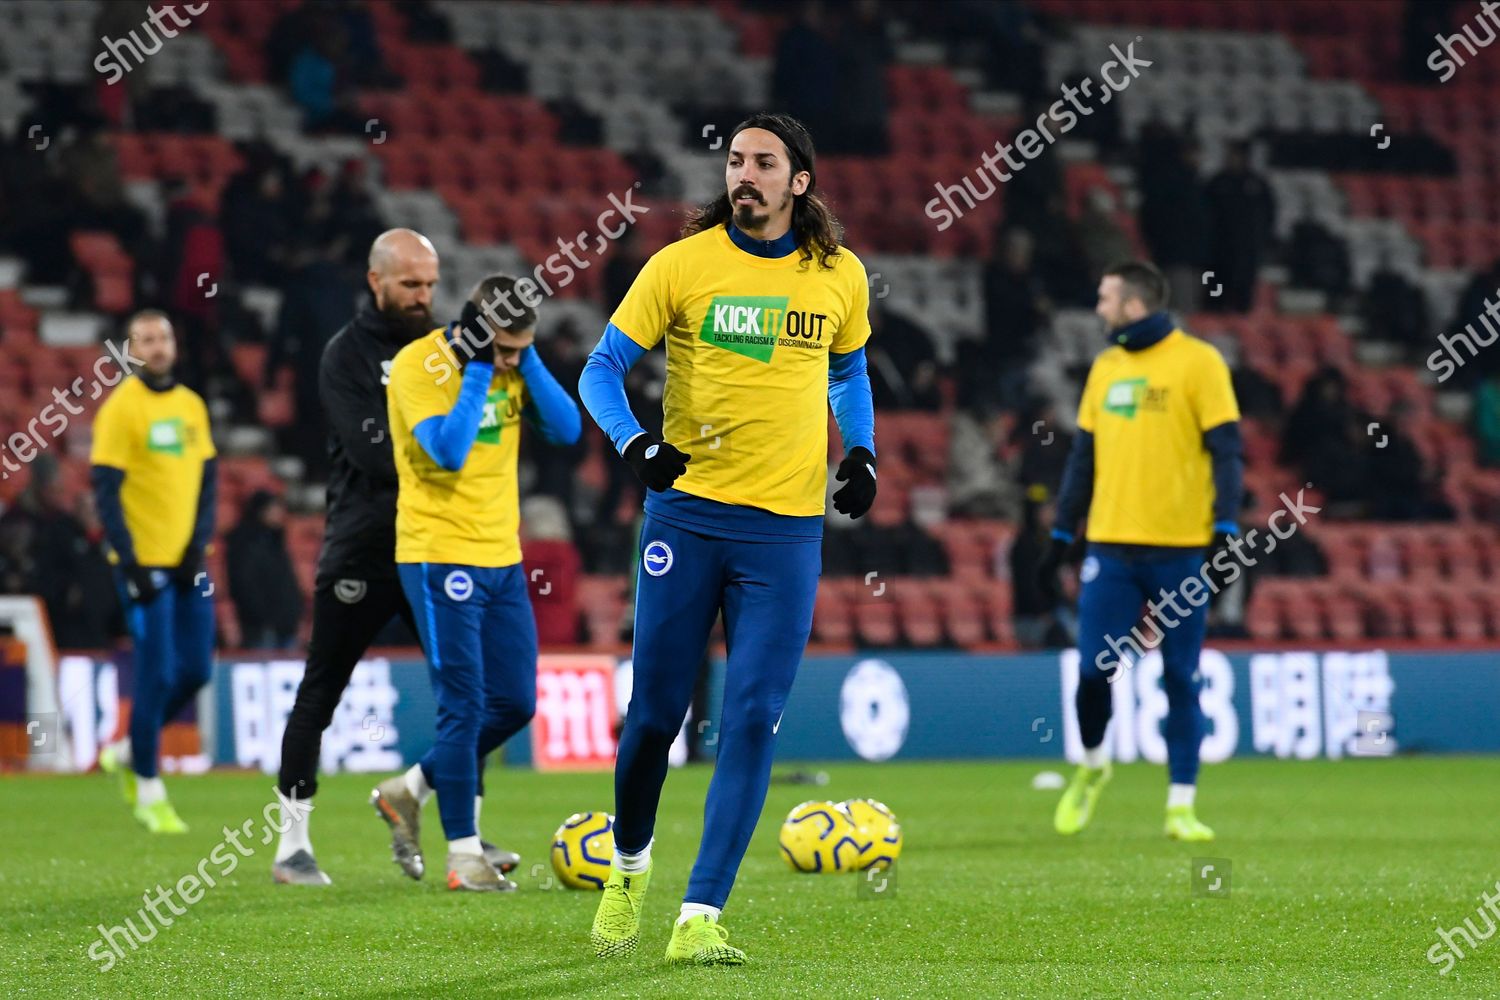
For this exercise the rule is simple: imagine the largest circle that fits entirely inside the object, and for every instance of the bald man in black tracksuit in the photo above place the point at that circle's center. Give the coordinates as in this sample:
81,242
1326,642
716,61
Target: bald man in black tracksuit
357,591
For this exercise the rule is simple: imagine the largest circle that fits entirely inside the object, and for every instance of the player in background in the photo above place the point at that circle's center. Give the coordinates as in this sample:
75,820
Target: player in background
765,319
154,476
356,592
456,399
1157,466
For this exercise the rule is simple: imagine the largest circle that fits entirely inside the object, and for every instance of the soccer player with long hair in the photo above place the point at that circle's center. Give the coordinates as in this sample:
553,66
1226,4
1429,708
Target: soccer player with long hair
765,317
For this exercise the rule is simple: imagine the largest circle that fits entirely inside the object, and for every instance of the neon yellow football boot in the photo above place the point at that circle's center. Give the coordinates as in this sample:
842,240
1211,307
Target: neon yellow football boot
617,922
1076,807
702,941
112,761
1182,824
160,817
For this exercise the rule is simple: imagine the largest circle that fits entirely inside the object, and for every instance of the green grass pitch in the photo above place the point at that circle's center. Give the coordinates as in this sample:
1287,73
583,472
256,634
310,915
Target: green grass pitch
1340,874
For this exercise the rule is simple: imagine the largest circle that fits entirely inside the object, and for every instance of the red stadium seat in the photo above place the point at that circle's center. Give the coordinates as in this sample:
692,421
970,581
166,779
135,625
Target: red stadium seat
1304,612
497,161
961,612
1263,618
916,611
1465,614
874,622
602,599
1345,616
832,621
1428,621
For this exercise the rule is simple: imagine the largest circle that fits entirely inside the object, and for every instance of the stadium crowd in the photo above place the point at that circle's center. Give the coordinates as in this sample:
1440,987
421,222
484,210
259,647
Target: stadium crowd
304,230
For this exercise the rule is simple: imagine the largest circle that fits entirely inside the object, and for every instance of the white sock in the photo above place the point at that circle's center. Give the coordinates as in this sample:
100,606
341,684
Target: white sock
691,910
296,836
465,845
416,783
1095,756
149,790
478,805
633,864
121,747
1180,795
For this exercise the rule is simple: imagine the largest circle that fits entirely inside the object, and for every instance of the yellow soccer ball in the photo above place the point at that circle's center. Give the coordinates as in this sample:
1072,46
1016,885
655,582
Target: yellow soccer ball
876,830
582,849
819,837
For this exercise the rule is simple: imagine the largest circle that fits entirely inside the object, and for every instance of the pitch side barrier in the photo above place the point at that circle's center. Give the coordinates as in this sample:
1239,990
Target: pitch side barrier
1274,701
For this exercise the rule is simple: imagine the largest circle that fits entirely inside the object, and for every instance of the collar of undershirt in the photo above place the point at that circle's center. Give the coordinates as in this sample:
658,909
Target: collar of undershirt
781,246
156,383
1143,332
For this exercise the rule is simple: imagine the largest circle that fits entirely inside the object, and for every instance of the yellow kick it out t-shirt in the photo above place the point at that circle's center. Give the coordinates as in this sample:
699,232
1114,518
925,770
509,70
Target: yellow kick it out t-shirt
160,440
747,364
472,516
1148,410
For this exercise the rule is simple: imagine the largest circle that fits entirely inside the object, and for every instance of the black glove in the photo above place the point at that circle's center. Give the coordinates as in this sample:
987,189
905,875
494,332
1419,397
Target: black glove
186,572
476,336
1046,570
1215,576
138,583
657,463
857,471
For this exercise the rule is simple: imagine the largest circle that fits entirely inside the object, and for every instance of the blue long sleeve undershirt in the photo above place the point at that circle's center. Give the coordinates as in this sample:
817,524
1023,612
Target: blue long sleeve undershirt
1077,487
602,388
1228,455
208,505
1225,450
107,480
548,406
448,437
849,395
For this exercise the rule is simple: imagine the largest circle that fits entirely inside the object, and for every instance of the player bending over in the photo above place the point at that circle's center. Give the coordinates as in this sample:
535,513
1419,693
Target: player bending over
456,398
154,477
357,592
765,322
1157,466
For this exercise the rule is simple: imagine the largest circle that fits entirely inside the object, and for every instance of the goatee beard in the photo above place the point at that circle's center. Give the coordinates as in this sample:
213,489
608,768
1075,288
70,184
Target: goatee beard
746,219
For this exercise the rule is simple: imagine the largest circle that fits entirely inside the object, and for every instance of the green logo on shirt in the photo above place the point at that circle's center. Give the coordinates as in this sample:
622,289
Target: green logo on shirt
166,436
1130,396
748,325
1124,397
494,417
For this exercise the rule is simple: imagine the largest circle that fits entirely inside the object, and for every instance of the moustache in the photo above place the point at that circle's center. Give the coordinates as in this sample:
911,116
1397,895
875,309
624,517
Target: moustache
748,192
